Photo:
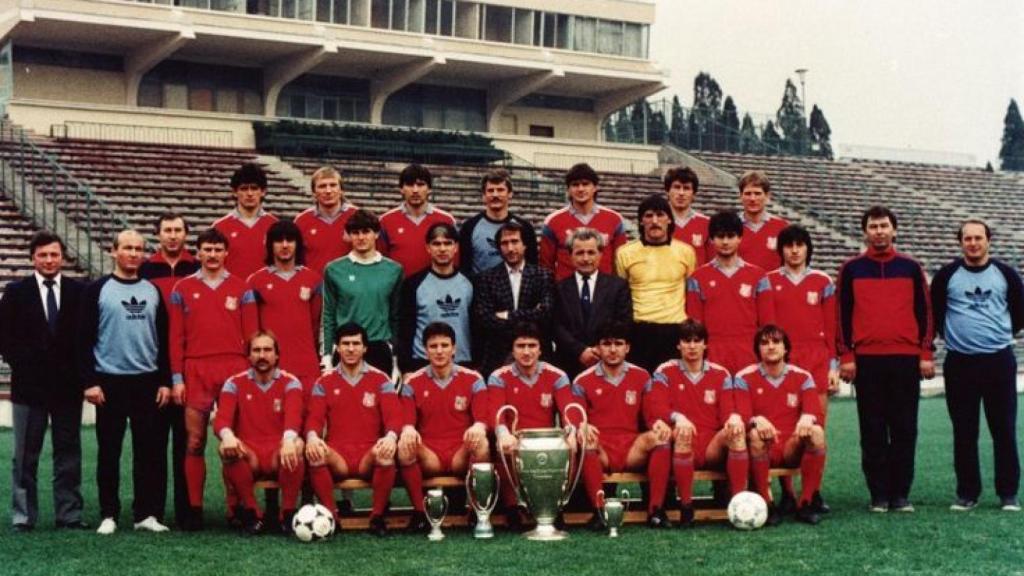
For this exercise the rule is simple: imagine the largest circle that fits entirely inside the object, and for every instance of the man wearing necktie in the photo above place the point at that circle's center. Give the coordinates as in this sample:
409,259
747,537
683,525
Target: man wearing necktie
584,301
38,316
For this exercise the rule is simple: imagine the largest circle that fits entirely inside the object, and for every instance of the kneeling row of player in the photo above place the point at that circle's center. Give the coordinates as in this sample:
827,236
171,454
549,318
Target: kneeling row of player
358,424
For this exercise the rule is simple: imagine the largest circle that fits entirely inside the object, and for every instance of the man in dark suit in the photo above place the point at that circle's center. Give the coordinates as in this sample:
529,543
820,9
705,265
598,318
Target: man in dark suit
511,292
584,301
38,319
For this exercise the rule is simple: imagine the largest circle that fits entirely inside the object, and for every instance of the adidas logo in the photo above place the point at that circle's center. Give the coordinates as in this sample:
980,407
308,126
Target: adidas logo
134,307
449,306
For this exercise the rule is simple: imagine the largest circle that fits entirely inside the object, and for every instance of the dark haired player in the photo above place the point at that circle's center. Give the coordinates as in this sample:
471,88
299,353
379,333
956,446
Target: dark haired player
246,225
784,423
403,229
691,226
708,428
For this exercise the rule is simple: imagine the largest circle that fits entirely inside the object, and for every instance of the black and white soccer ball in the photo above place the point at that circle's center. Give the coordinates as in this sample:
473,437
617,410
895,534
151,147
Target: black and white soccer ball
748,511
313,522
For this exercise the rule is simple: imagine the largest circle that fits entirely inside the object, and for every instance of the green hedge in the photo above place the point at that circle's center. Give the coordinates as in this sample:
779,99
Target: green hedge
289,137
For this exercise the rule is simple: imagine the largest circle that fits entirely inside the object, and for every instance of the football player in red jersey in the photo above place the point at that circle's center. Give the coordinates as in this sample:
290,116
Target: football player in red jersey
258,421
784,427
247,224
760,229
708,427
618,396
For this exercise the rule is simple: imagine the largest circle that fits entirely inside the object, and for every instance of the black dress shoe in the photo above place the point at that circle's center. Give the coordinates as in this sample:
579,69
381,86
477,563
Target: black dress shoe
774,516
787,504
686,516
807,514
378,527
658,519
73,525
23,527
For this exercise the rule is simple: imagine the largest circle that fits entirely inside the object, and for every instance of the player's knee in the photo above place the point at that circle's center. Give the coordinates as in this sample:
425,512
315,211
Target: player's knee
681,446
817,438
737,442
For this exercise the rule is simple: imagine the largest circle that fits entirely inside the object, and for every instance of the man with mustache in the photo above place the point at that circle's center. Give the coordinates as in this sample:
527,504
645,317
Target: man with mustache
657,268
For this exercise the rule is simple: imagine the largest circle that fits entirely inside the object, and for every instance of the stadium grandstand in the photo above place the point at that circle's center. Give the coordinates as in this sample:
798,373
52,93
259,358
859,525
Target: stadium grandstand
115,110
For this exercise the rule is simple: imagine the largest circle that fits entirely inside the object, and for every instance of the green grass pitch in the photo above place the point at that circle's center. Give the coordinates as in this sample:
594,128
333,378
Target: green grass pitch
849,541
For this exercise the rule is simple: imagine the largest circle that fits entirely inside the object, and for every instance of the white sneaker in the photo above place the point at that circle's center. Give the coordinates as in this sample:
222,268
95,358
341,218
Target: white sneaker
107,526
151,524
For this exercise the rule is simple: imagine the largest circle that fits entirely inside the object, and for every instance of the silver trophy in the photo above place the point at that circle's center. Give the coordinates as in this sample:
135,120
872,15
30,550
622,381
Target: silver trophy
435,507
482,493
543,463
614,513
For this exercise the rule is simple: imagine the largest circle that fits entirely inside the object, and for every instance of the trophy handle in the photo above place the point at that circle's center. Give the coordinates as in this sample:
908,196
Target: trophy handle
501,453
624,497
581,449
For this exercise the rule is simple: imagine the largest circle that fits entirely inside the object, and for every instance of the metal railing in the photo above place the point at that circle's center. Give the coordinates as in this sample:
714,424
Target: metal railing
140,133
55,200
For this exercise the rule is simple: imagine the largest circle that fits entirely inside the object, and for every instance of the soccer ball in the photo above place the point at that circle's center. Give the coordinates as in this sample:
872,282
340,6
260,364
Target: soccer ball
748,511
313,522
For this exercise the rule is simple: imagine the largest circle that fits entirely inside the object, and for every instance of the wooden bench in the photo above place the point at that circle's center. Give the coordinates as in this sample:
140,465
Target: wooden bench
704,509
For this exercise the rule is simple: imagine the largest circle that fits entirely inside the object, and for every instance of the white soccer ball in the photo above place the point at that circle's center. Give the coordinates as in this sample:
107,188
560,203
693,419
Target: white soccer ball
313,522
748,511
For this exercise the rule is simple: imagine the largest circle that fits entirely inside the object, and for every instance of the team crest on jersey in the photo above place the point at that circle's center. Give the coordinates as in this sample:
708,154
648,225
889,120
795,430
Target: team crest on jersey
351,277
195,295
401,230
248,396
772,243
792,401
682,387
697,239
305,293
746,290
709,396
812,298
545,400
337,392
713,283
369,399
312,231
234,234
270,285
231,303
461,403
760,391
277,404
631,397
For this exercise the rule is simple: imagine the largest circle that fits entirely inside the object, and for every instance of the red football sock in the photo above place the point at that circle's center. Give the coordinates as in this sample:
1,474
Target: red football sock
323,485
239,475
737,467
230,497
412,477
593,476
761,467
812,468
195,478
658,465
290,482
383,481
682,467
509,498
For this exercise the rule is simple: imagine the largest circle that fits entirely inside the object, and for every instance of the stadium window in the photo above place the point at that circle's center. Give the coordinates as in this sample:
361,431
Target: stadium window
150,93
497,23
467,20
549,29
563,31
323,10
416,15
341,12
226,100
330,109
204,4
287,9
200,98
634,40
524,28
539,131
447,18
175,96
307,9
228,5
252,102
609,37
380,13
297,106
431,17
398,15
584,31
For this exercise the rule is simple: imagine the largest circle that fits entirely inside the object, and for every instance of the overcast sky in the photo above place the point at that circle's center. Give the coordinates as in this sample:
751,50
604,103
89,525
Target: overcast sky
935,75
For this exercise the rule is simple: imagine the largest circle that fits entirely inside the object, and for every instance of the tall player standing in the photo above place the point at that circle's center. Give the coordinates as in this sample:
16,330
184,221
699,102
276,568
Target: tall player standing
246,225
212,313
403,230
681,185
761,230
323,224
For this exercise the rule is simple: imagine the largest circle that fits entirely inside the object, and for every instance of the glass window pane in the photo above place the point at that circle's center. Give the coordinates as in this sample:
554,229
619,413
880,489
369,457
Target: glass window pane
398,15
200,99
633,40
563,31
524,27
227,101
297,106
447,17
609,37
323,10
416,11
176,96
430,18
499,24
584,30
380,13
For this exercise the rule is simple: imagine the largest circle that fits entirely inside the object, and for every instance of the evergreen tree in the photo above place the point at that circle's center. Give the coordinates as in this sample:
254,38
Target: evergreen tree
638,121
749,143
988,167
1011,153
731,125
707,110
609,128
821,134
677,134
657,128
771,139
790,119
623,129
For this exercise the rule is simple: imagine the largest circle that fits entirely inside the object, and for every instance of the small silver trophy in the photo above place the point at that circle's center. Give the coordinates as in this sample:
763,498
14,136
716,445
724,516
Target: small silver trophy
614,514
482,493
435,505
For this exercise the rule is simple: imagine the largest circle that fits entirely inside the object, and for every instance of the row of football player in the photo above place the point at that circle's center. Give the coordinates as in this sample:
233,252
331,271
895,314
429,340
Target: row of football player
357,423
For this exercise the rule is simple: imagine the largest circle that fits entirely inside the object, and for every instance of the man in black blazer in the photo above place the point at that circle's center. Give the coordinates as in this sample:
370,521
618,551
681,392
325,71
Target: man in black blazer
584,301
38,319
511,292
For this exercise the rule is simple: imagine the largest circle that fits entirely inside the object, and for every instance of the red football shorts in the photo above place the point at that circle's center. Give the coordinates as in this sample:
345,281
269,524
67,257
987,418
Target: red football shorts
616,447
264,454
733,354
445,449
776,453
204,377
352,453
700,447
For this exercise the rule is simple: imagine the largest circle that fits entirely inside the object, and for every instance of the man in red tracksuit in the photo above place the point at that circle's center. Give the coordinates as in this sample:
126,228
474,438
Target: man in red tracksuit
885,346
730,296
259,418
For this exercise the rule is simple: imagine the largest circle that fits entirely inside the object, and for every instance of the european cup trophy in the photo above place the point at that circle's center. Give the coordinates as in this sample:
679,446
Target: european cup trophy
435,506
614,513
482,493
543,463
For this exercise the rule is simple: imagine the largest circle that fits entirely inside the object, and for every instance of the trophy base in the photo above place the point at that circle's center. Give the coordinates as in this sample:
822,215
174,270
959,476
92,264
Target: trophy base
483,531
435,535
546,533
